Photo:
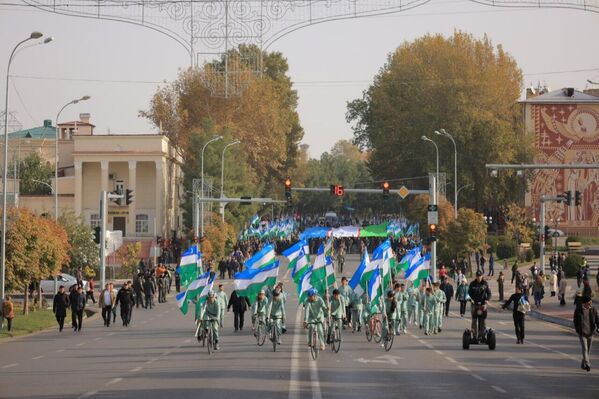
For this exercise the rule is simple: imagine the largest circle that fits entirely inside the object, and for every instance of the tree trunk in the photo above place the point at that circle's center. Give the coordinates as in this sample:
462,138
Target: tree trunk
26,299
40,298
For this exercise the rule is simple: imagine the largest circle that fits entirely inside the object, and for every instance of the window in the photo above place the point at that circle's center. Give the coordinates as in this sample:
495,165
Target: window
119,187
142,224
94,220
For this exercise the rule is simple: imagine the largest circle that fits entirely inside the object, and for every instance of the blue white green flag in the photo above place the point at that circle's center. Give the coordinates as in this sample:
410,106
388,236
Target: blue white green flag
264,257
354,283
249,282
320,274
293,253
419,270
304,285
302,264
190,265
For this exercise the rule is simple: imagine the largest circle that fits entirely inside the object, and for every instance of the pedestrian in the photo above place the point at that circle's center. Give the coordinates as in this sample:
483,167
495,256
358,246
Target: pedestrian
520,306
89,293
221,296
461,295
538,290
8,312
60,306
447,288
563,285
106,301
77,306
482,262
356,310
442,272
345,292
115,292
553,282
579,274
439,307
586,323
161,289
177,281
500,281
514,270
222,267
138,289
126,299
240,305
72,295
491,265
428,310
149,289
79,276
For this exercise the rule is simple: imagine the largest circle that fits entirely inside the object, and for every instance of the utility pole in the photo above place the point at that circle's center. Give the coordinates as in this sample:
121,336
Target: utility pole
433,218
104,197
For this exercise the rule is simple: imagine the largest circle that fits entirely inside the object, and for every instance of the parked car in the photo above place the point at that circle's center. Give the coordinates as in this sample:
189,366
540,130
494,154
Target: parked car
556,233
62,279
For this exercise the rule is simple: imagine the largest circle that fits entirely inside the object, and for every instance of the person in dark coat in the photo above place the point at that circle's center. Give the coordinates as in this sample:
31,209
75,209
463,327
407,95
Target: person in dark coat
149,289
72,294
517,315
77,302
138,289
60,306
240,305
126,299
586,323
447,288
177,281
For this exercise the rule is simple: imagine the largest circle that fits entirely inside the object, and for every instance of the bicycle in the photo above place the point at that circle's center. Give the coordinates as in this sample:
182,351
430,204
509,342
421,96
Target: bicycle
315,346
335,335
260,332
210,338
389,335
201,332
274,333
373,329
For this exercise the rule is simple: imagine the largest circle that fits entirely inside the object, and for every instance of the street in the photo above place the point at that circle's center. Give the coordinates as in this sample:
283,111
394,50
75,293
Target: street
158,357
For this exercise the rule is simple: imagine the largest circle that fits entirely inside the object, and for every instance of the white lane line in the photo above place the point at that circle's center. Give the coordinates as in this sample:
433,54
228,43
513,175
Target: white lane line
423,342
438,352
316,393
429,346
498,389
59,350
135,370
294,386
114,381
450,359
38,357
110,334
80,344
478,377
10,365
466,369
87,395
414,336
97,339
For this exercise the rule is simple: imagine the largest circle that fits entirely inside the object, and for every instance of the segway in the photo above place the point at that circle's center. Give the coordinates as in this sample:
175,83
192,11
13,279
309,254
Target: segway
486,337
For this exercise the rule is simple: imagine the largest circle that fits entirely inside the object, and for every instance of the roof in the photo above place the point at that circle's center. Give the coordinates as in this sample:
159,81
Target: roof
77,123
561,97
35,133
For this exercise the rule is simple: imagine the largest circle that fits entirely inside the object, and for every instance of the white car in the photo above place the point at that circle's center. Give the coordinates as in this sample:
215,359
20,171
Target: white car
62,279
556,233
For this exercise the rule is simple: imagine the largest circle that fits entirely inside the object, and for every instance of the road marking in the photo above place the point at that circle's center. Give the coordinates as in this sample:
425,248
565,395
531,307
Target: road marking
316,394
110,334
503,323
59,350
294,388
498,389
438,352
423,342
151,319
88,394
10,365
429,346
478,377
464,368
97,339
451,359
114,381
38,357
80,344
135,369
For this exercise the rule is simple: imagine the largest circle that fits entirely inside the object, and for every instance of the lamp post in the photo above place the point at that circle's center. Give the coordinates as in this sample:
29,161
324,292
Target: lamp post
424,138
442,132
84,98
34,35
215,138
222,178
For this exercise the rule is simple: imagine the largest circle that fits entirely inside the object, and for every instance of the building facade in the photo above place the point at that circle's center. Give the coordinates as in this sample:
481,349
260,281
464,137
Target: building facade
565,126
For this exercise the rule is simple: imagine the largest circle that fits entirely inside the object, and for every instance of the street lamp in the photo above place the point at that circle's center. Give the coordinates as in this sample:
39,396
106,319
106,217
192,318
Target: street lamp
32,36
424,138
222,176
442,132
84,98
215,138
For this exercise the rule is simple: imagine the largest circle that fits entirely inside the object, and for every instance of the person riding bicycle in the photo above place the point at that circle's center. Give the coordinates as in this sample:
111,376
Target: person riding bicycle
212,316
346,291
480,294
314,313
356,311
337,312
259,309
402,297
392,313
275,314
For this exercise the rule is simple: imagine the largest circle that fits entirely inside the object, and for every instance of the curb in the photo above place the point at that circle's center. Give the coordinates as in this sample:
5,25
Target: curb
552,319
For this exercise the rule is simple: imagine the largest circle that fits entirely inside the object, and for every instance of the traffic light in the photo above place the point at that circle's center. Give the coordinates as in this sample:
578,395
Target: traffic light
546,235
97,234
337,190
432,232
386,190
129,196
568,197
288,191
577,198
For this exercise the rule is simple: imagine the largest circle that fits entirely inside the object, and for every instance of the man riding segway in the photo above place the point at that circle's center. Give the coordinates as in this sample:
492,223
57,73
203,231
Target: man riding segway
480,294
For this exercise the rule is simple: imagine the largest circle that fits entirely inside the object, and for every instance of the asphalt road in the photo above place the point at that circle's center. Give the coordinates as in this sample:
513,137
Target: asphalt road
158,357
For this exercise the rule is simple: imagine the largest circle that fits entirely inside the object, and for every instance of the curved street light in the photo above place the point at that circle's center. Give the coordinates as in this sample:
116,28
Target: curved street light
215,138
222,176
442,132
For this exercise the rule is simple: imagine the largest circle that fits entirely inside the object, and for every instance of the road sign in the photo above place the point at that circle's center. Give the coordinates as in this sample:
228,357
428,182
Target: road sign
403,192
433,217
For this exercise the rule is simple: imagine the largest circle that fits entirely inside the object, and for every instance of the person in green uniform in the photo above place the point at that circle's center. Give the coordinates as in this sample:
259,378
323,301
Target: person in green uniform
221,295
440,307
402,303
428,310
413,303
346,291
259,309
392,313
275,313
421,298
211,316
356,311
315,312
337,311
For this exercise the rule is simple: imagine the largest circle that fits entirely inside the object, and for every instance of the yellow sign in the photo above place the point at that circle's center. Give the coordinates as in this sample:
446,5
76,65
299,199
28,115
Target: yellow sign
403,192
118,212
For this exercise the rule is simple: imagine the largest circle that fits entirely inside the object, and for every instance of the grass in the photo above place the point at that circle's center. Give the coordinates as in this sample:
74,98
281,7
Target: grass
588,240
34,321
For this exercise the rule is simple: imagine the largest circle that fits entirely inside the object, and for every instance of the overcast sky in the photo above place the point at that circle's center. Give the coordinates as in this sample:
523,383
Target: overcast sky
558,47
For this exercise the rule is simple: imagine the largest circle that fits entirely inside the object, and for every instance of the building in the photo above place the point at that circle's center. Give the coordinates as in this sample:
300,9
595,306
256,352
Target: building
90,163
565,125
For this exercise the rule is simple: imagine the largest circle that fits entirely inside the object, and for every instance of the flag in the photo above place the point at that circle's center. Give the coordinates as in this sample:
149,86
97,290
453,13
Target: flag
375,291
419,270
182,302
264,257
354,283
293,253
249,282
406,260
380,261
206,290
301,266
319,275
254,220
304,285
199,287
189,264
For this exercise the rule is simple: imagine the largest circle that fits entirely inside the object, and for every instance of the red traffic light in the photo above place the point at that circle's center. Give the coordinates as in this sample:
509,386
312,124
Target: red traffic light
287,183
337,190
386,185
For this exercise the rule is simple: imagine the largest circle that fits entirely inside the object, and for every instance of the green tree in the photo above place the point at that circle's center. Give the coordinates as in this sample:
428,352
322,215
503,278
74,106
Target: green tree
462,84
129,257
466,234
83,251
518,226
33,173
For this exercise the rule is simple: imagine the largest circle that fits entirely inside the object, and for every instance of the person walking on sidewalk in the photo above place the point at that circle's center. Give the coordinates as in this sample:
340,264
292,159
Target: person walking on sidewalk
89,294
491,265
8,312
538,290
106,301
60,306
586,323
500,281
563,286
461,296
77,307
520,306
126,299
514,270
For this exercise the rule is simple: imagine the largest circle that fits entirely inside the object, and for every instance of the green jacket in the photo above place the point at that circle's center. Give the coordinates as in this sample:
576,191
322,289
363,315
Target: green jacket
276,308
338,307
440,295
345,291
260,307
315,311
221,296
413,297
402,301
212,310
461,293
429,303
391,308
355,301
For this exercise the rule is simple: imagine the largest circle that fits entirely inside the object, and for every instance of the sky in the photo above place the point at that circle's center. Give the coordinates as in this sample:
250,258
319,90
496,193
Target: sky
120,65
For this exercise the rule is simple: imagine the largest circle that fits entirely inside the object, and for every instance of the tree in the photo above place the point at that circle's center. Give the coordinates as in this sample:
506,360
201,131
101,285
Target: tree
129,257
83,251
217,236
465,85
418,213
466,234
33,173
518,225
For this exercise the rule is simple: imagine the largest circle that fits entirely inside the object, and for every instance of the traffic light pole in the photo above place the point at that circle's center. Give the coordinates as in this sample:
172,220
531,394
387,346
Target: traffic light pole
544,199
356,190
432,192
104,197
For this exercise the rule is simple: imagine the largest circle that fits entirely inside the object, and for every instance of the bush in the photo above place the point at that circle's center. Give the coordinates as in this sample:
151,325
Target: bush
492,242
529,255
572,264
536,248
572,239
505,249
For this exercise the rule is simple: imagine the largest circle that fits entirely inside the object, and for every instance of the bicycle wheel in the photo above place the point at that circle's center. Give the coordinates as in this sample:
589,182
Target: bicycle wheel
336,339
368,331
261,337
376,331
315,347
388,342
210,341
274,336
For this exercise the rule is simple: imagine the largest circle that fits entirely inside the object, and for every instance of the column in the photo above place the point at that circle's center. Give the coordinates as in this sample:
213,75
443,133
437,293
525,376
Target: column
78,187
159,199
132,207
104,176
